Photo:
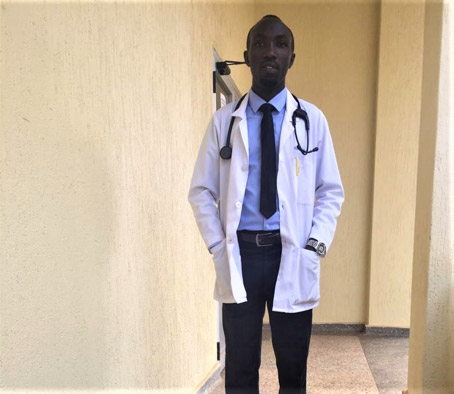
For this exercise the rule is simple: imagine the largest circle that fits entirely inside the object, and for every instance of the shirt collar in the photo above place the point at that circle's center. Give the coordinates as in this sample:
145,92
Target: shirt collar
279,101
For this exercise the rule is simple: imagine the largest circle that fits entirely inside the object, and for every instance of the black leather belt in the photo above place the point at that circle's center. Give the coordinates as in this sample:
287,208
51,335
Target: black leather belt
260,238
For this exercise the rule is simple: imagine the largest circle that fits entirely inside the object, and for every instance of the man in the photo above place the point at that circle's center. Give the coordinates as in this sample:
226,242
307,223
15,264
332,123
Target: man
267,212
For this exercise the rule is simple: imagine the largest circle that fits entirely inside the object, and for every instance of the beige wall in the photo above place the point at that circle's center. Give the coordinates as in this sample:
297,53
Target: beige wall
396,157
105,282
431,357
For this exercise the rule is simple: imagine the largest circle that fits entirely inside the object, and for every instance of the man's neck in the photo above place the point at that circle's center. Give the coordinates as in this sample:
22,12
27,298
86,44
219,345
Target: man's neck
267,94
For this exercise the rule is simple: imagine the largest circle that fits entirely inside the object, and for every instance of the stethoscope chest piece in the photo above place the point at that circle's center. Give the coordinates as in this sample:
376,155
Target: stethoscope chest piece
226,152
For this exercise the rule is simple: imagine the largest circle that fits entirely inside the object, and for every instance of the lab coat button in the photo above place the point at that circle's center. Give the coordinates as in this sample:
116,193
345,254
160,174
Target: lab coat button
282,206
238,204
244,167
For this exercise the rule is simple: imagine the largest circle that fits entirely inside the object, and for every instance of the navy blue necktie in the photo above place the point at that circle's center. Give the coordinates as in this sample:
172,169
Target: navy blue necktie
268,176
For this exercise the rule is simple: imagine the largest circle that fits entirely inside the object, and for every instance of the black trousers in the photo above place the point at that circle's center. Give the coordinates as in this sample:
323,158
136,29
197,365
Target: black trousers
290,332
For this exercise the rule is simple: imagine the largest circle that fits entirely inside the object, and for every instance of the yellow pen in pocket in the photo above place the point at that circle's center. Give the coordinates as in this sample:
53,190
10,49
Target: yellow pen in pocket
297,162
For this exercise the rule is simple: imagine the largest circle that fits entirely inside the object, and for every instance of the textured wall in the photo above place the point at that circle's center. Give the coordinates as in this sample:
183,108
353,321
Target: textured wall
105,281
431,366
396,160
336,69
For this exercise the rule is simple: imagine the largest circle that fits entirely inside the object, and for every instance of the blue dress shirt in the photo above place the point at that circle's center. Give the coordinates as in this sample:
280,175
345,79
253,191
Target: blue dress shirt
251,218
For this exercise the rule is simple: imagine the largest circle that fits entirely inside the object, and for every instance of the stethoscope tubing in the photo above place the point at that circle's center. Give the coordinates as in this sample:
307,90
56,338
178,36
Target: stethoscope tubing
226,150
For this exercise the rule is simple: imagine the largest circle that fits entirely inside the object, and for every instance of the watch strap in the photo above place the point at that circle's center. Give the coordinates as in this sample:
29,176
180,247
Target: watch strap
316,246
312,242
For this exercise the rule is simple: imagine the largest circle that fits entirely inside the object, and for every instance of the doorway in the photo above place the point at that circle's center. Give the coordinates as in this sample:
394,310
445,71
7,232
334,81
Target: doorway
224,92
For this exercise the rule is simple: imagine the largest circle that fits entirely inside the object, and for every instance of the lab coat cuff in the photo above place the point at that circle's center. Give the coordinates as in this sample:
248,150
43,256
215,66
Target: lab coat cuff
210,248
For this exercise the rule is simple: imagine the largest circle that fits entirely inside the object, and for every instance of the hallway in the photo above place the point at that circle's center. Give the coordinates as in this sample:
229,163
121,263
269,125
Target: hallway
106,284
342,364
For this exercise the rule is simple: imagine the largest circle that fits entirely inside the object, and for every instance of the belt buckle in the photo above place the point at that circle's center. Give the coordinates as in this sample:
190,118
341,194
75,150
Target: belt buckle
257,241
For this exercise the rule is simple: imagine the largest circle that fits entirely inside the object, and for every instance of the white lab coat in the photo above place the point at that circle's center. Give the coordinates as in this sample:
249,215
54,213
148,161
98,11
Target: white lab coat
310,198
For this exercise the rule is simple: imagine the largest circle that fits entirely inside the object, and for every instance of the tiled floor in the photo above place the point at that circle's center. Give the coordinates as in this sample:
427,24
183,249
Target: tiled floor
388,362
337,364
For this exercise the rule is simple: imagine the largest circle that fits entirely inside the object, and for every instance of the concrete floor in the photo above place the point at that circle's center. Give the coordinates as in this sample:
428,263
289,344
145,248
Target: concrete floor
342,364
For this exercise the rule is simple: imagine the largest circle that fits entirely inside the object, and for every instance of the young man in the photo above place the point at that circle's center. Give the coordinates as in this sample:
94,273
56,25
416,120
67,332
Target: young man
267,212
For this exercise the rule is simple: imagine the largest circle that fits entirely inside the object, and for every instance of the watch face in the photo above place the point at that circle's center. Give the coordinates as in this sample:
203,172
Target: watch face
321,249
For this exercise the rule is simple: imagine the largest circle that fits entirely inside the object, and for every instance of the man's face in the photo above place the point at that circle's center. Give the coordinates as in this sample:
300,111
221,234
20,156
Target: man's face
269,54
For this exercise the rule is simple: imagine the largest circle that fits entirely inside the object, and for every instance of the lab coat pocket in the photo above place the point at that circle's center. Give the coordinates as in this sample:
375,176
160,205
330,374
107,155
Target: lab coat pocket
223,288
307,284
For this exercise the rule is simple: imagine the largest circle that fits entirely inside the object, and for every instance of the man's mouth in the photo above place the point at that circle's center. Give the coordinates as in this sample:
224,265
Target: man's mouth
268,66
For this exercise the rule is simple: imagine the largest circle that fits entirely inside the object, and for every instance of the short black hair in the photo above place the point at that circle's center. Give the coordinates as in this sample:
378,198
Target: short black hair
248,40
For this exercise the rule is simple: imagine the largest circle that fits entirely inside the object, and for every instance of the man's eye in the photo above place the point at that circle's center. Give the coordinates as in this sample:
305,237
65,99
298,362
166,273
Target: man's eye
259,44
282,44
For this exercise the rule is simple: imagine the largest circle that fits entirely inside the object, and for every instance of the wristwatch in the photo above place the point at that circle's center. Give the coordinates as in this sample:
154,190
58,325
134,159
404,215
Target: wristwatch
319,247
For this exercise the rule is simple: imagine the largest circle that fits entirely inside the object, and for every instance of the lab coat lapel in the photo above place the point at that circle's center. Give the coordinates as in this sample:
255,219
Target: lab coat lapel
287,128
240,114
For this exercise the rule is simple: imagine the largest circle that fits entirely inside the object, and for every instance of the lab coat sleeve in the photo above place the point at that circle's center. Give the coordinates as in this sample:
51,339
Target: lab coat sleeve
329,193
205,187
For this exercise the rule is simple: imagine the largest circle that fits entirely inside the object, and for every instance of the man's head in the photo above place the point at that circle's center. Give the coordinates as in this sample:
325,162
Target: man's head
276,19
269,54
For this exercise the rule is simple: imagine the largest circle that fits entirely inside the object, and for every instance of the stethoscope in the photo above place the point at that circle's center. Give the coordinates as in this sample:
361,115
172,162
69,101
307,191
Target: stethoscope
226,151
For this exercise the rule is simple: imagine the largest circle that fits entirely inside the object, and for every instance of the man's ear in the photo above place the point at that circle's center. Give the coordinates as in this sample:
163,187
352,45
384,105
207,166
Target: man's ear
246,57
292,59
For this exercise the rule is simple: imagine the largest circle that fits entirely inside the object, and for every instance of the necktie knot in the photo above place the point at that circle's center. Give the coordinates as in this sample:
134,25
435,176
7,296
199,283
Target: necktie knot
267,108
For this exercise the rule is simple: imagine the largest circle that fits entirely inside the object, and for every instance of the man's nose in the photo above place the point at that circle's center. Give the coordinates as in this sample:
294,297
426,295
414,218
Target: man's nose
270,50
